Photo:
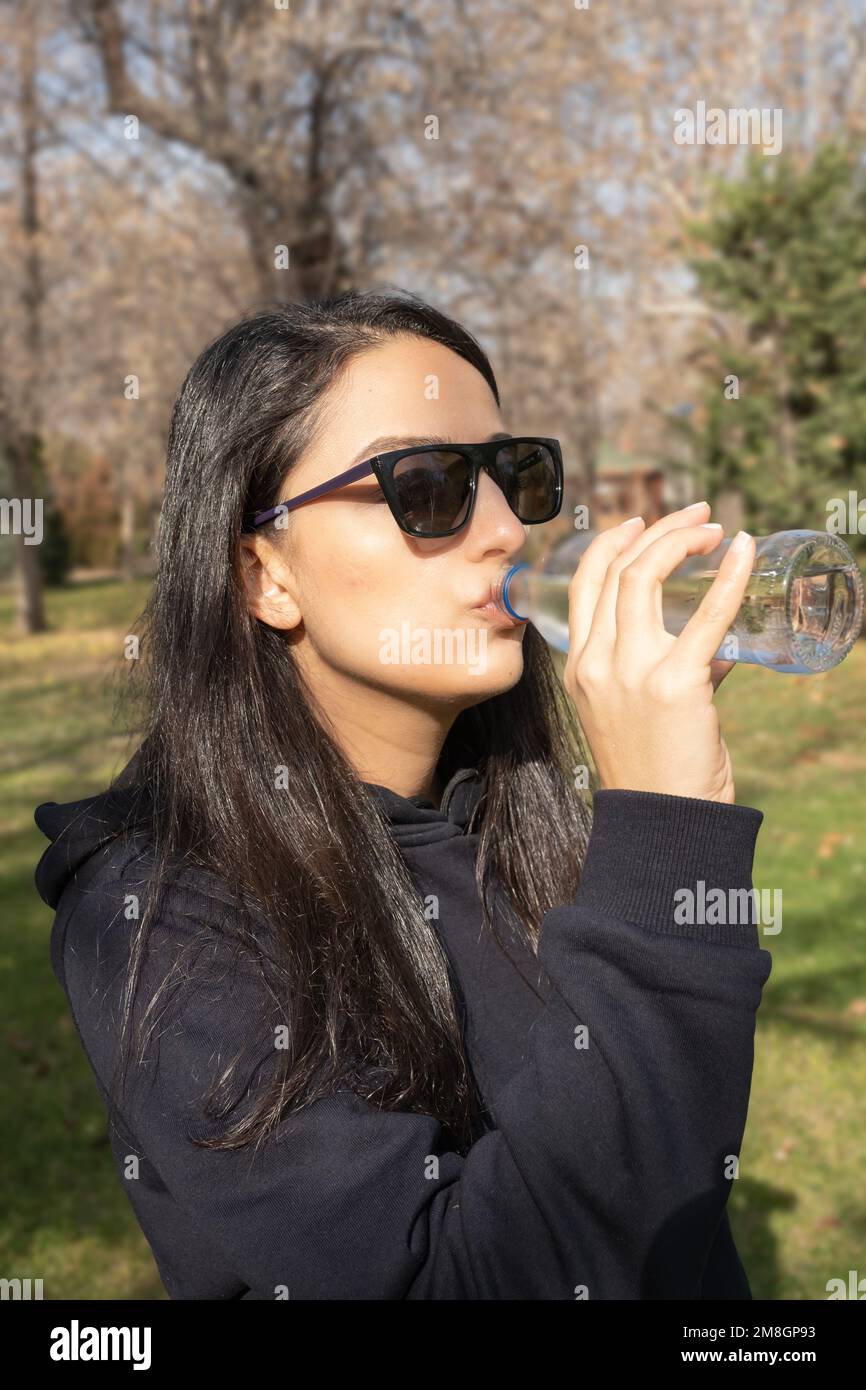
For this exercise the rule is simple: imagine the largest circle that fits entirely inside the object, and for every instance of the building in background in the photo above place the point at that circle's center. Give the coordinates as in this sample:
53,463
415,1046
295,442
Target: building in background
628,485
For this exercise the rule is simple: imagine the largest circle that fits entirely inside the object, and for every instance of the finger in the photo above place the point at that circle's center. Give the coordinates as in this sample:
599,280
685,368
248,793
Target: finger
608,549
604,625
638,602
714,616
588,578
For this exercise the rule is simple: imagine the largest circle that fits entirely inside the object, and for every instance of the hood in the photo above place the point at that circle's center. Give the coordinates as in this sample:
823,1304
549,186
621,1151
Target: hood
416,821
79,829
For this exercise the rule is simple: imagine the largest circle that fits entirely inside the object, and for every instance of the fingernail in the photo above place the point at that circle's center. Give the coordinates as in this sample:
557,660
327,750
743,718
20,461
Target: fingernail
711,525
631,519
740,541
692,506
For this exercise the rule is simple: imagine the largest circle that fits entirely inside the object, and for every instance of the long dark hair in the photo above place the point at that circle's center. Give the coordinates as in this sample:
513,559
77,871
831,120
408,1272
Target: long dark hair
349,957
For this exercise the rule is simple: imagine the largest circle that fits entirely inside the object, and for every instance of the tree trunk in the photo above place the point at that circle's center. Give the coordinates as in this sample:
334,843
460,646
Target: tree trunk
25,442
29,605
729,510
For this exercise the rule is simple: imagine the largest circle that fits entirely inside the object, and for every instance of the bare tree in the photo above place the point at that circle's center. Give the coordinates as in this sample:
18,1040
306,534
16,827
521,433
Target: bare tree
454,147
20,424
271,109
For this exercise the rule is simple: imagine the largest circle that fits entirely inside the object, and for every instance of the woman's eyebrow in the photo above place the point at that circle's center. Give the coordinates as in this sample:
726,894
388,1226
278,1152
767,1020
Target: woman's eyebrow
393,441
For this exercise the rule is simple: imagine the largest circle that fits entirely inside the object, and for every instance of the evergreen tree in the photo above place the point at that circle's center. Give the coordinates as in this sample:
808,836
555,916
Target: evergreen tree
782,254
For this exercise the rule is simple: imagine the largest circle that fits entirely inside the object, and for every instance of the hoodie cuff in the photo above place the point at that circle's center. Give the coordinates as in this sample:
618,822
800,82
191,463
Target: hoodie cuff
655,860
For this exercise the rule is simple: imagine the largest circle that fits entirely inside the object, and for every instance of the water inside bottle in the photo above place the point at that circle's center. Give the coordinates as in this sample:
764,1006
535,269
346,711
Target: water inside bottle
812,620
822,601
816,616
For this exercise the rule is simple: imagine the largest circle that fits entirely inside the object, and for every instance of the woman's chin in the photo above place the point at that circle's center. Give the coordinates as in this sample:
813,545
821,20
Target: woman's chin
498,669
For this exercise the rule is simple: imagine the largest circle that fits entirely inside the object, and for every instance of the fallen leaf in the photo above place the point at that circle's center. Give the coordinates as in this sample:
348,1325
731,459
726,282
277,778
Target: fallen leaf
828,843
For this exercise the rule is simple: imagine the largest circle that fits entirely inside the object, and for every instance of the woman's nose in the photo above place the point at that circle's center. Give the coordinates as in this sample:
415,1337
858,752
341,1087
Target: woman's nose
491,503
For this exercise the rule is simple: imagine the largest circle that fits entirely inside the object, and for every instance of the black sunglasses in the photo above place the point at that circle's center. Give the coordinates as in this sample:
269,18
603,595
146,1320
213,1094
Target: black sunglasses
431,490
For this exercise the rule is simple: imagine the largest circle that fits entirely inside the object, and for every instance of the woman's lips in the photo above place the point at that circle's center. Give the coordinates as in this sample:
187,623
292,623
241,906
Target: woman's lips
494,614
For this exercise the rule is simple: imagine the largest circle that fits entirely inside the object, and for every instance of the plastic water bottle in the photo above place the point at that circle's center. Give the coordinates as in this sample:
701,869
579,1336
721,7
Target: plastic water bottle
802,610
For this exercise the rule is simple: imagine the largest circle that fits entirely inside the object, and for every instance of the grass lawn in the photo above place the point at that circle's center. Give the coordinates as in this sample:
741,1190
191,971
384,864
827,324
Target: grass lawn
798,1208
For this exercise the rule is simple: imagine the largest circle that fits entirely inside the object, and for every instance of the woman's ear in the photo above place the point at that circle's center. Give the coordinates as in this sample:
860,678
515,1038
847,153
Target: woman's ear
268,583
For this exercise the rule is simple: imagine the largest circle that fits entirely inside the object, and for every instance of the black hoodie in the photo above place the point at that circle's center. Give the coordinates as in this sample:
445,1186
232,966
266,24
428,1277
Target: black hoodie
615,1068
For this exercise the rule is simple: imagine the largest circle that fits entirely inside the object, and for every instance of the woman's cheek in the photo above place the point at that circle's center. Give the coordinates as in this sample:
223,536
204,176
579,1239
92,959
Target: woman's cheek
351,601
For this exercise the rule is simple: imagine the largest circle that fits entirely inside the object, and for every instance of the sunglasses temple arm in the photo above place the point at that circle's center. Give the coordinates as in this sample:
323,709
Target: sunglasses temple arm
360,470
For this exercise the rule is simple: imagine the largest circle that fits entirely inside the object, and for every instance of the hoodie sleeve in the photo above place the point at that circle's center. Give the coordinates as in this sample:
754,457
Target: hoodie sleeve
615,1144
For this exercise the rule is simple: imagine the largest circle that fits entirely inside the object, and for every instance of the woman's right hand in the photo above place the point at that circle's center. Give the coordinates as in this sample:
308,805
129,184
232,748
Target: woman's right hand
644,697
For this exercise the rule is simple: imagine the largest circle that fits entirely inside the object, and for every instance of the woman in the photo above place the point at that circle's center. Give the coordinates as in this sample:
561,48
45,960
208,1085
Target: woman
375,1014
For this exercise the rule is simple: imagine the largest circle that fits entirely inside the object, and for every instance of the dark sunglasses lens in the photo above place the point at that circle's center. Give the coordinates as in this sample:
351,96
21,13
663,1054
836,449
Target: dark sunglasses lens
433,490
531,479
